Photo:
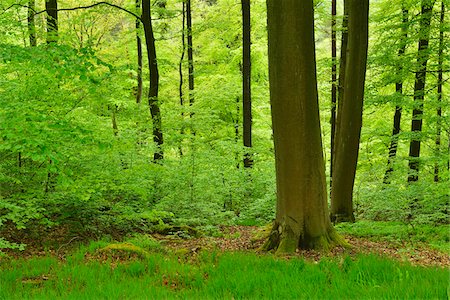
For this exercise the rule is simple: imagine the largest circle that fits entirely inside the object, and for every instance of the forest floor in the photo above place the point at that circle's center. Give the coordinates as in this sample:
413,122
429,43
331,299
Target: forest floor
247,239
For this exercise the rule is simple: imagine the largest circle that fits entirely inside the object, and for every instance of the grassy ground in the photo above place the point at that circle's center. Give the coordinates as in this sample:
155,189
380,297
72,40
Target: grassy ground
144,269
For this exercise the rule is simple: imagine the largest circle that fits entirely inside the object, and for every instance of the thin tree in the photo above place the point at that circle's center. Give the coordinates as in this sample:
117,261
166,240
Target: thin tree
302,219
51,7
399,91
419,89
350,109
334,84
246,82
31,23
190,53
180,68
154,80
139,55
439,89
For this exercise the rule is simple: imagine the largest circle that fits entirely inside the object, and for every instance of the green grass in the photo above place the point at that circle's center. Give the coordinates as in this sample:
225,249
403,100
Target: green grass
435,236
214,275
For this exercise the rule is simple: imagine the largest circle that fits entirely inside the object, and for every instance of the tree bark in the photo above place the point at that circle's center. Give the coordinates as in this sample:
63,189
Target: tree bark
398,108
190,53
180,71
31,23
334,85
439,90
302,212
348,129
419,89
154,80
246,82
139,56
51,7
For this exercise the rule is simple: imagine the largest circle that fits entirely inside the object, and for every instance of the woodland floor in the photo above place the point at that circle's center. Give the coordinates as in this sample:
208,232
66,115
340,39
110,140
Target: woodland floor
248,239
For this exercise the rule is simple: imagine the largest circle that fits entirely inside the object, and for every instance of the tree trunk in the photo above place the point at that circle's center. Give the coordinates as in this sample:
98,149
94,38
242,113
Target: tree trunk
350,113
340,88
419,89
334,85
154,80
398,108
439,90
51,6
31,23
180,71
139,56
302,213
246,83
190,53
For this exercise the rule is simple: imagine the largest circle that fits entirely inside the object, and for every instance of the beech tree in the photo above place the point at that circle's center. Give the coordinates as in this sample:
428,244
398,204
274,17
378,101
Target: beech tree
154,80
31,23
51,7
399,90
139,55
246,82
350,108
419,89
302,219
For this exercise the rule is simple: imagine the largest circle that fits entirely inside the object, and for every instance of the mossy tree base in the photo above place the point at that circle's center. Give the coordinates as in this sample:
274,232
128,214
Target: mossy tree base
283,240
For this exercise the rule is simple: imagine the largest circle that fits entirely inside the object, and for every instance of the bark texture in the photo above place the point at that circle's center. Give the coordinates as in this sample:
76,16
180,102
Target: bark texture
302,212
246,82
419,89
139,56
51,6
349,124
334,84
154,80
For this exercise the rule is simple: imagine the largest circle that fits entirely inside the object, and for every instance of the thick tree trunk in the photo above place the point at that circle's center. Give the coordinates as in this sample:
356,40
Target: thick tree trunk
439,90
419,89
31,23
246,83
398,108
334,85
350,113
154,80
139,56
190,53
51,6
302,212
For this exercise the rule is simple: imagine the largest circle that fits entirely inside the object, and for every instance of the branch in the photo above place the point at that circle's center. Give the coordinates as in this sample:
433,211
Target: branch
77,8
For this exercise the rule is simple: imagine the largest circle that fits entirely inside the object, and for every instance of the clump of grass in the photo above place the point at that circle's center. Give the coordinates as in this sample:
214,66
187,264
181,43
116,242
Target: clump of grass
216,275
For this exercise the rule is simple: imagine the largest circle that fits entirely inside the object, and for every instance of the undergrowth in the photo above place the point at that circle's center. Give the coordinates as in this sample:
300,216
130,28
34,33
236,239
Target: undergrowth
215,275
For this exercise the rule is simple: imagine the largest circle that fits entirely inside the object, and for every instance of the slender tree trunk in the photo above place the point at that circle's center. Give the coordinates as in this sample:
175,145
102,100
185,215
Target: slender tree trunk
340,88
398,108
180,71
439,90
154,80
419,89
350,113
139,55
190,53
334,85
31,23
114,120
246,82
302,213
51,6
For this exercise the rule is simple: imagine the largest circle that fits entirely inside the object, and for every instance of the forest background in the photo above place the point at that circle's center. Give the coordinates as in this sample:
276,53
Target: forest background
78,151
